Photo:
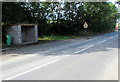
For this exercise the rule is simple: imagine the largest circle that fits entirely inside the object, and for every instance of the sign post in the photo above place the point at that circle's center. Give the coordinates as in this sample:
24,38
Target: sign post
85,26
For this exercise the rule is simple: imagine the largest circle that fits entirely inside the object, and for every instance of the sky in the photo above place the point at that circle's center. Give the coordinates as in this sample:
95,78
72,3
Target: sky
113,1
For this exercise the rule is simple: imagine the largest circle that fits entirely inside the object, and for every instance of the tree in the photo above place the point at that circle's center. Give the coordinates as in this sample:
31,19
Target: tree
101,16
118,2
62,17
13,13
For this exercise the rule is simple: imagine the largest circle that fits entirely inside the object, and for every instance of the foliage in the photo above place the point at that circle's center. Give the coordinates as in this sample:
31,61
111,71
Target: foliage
118,2
13,13
62,18
101,16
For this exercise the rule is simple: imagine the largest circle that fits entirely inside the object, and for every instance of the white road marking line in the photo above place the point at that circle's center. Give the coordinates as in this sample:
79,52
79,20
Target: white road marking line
111,37
107,39
84,49
109,66
102,41
33,69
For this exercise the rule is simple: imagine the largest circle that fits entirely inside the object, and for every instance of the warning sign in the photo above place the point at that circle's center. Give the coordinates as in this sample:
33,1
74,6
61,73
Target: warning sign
85,25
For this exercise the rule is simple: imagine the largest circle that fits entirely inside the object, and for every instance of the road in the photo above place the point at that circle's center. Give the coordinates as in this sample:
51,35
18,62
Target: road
87,59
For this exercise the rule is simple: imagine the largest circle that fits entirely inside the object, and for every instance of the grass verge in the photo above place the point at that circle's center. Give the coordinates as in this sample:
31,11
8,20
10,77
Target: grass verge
56,37
81,34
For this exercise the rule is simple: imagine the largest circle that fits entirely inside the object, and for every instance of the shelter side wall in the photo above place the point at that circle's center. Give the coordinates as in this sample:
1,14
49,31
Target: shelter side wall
15,32
36,33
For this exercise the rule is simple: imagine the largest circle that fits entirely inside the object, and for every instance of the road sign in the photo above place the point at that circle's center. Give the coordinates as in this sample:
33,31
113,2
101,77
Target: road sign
85,25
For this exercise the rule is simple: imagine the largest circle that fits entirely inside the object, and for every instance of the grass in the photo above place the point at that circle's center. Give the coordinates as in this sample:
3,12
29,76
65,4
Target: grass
82,34
56,37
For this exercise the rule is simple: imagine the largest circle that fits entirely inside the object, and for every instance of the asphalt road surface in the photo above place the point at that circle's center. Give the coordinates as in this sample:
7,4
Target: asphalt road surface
89,59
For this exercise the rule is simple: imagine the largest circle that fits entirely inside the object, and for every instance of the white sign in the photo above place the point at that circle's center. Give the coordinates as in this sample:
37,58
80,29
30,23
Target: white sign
85,25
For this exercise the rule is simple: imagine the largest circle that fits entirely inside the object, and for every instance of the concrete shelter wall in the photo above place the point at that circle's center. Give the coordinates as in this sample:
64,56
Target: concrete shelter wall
15,32
36,33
